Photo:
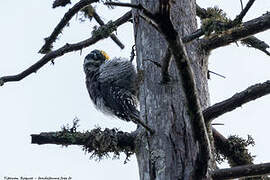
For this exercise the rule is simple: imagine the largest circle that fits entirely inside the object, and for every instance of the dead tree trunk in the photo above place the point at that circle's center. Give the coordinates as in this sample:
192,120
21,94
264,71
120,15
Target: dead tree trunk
171,152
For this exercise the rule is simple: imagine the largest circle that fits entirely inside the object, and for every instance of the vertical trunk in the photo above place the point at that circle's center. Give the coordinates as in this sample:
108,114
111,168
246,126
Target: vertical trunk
171,152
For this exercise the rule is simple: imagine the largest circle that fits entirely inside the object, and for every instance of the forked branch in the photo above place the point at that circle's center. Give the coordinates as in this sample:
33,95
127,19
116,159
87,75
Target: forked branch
240,17
64,21
247,29
90,10
101,33
113,36
249,41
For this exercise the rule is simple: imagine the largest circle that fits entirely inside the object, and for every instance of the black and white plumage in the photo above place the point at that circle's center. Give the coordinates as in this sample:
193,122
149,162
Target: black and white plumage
112,86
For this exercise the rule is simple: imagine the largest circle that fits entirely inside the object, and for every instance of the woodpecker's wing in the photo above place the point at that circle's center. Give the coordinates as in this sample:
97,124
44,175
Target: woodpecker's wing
119,72
117,84
121,102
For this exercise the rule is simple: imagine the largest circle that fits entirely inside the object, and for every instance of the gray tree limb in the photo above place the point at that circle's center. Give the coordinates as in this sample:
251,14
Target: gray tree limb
242,171
245,30
96,141
251,93
250,41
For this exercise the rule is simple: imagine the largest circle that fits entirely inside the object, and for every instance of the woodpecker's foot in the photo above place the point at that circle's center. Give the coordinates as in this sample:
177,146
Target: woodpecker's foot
132,54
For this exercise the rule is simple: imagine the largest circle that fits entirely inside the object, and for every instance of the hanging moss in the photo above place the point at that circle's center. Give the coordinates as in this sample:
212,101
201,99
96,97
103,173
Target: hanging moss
101,143
215,21
237,152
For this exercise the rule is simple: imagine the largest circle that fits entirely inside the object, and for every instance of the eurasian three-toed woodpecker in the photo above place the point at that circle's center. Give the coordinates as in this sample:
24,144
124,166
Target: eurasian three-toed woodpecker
112,86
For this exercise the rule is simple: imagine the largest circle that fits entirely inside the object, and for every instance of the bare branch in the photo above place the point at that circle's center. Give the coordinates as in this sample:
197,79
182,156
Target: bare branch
124,5
256,43
242,171
198,33
214,74
242,7
249,28
253,92
101,33
64,21
62,3
240,17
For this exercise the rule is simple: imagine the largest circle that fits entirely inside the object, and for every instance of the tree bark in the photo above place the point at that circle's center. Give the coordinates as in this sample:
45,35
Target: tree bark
172,151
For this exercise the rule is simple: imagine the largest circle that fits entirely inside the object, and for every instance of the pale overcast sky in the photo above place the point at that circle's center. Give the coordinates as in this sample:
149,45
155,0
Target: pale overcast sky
53,96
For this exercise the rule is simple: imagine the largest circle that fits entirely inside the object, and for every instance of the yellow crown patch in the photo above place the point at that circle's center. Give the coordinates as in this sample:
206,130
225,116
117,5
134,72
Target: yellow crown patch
105,55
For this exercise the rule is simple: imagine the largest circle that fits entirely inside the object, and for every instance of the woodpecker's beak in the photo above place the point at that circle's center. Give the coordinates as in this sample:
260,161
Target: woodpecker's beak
105,55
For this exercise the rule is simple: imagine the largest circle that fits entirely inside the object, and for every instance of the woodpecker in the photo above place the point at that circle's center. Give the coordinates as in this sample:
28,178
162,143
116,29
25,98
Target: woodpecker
112,87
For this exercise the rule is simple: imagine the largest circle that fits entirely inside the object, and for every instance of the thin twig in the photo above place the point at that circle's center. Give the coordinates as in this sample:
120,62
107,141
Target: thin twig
215,74
242,7
240,17
100,22
145,12
64,21
253,92
106,31
62,3
256,43
124,5
242,171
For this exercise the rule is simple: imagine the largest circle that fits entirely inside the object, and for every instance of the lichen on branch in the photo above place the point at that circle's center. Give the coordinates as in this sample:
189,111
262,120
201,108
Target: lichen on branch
98,143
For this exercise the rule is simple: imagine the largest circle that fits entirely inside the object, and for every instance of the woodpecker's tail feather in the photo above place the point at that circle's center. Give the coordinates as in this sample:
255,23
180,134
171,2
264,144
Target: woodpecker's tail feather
136,119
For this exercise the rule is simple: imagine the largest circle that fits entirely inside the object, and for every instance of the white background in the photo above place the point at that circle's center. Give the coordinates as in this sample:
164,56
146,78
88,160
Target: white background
53,96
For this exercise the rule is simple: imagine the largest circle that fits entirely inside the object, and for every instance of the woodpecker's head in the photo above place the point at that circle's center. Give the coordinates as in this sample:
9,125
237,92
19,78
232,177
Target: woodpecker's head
94,59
